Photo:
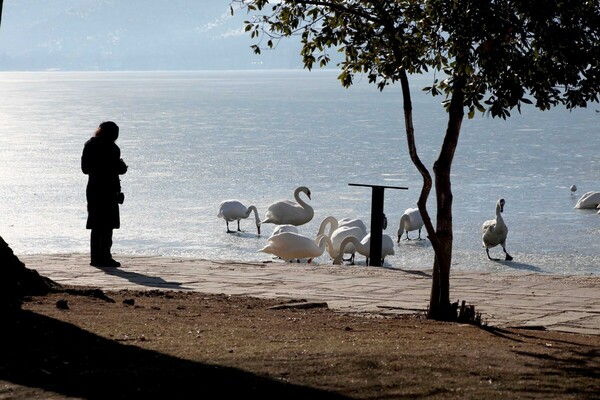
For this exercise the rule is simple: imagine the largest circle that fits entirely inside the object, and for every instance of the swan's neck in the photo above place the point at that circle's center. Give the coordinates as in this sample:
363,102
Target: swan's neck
301,202
499,219
256,218
361,248
333,225
401,226
323,242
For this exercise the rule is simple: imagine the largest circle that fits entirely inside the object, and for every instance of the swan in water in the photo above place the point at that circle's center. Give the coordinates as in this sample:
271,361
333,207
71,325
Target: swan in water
290,245
234,210
411,220
286,212
364,247
495,232
337,234
588,200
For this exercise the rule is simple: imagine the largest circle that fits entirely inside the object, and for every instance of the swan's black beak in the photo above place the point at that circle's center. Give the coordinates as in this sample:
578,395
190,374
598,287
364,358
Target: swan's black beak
258,228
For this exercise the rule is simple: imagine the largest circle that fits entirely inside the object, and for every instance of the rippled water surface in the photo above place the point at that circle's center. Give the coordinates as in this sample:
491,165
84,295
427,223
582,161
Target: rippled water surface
193,139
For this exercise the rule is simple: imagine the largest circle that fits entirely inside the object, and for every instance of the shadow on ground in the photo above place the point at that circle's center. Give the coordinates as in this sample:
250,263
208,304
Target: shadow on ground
41,352
144,280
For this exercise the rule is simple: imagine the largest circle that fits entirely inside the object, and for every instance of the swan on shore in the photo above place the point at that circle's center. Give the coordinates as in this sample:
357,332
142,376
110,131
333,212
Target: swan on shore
339,235
589,200
235,210
290,246
351,227
411,220
495,232
286,212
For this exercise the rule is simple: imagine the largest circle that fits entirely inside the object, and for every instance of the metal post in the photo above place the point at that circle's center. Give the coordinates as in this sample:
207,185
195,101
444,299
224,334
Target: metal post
376,226
376,221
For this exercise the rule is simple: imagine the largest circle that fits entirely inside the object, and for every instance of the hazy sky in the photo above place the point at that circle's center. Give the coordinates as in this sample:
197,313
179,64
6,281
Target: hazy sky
131,35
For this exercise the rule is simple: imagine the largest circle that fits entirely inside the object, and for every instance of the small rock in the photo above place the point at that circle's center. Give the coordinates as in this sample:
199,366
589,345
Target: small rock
129,302
62,304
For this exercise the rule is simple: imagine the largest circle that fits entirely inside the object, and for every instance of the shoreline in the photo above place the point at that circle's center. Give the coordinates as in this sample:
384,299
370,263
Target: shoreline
567,303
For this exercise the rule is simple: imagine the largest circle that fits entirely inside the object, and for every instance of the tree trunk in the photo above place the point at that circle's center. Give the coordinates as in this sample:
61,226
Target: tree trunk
440,307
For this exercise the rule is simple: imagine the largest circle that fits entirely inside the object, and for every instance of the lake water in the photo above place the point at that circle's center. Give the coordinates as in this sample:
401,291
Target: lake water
193,139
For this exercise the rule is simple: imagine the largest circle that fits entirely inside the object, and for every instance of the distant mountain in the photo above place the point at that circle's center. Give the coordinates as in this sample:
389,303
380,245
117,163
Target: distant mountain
131,35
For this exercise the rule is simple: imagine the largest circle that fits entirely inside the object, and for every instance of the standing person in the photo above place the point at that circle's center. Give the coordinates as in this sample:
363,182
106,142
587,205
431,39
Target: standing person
101,161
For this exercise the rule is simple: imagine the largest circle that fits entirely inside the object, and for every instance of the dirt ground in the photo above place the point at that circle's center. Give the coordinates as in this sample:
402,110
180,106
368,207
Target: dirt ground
151,344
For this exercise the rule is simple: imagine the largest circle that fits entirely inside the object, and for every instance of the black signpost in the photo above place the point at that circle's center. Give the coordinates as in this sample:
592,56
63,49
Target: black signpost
376,220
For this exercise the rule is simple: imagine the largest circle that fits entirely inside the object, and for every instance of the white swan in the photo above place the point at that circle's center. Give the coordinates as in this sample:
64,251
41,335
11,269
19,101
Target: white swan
284,212
354,227
495,232
411,220
290,245
338,236
234,210
364,247
284,228
588,200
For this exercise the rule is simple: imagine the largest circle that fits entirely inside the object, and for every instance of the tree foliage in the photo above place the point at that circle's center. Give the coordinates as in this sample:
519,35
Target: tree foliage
509,52
487,56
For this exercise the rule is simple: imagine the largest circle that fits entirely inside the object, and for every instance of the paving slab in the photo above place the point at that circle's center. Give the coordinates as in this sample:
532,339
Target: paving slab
556,302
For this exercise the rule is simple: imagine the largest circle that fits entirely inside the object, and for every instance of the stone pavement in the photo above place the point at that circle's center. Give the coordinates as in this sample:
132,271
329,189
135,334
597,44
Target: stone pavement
530,300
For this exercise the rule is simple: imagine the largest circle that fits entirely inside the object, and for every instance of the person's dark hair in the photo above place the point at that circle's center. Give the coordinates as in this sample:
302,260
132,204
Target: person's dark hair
108,130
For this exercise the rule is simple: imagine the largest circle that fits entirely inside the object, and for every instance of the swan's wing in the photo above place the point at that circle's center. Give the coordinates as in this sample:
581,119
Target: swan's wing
343,232
488,225
286,212
284,228
416,220
276,211
353,222
387,246
231,210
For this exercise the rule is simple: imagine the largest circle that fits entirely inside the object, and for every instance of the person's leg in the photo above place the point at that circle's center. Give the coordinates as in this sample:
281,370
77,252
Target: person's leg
100,248
96,247
107,241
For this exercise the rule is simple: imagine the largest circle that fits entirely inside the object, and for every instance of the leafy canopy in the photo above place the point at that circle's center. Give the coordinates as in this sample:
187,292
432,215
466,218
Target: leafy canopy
504,52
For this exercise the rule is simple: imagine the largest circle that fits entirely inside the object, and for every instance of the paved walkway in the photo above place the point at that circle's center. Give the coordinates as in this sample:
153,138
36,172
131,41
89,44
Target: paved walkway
563,303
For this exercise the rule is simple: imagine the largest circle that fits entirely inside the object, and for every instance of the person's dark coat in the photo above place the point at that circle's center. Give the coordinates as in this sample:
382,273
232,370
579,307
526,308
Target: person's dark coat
101,161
